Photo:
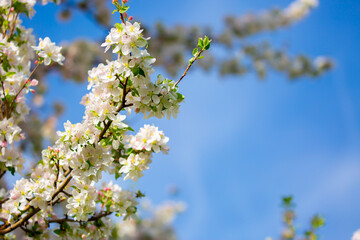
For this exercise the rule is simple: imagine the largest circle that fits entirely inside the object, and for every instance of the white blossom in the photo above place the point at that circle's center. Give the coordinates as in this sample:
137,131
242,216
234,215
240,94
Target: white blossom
49,51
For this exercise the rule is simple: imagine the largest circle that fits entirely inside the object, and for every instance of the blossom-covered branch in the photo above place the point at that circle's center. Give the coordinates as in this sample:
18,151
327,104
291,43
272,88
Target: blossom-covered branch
67,174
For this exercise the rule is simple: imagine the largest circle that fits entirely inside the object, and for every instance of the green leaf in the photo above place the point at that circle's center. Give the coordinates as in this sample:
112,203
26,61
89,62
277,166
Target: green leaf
58,231
141,72
207,47
117,5
118,26
6,65
12,170
123,9
195,51
200,43
114,11
180,96
135,70
287,201
317,221
207,42
130,129
9,74
139,194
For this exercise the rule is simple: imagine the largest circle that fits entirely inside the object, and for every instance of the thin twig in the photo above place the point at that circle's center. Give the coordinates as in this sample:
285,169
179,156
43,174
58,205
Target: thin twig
24,85
122,18
189,66
14,24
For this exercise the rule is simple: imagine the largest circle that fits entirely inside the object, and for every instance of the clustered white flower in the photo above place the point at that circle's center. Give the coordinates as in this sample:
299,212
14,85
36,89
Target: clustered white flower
48,51
100,143
17,48
148,140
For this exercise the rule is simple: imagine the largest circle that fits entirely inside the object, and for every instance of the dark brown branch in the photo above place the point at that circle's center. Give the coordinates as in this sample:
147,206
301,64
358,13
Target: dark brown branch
35,210
121,107
93,218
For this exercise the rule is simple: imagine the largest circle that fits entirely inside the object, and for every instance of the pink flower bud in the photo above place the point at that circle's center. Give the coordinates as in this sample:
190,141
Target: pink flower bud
124,1
131,18
22,136
115,1
15,196
4,144
36,62
12,9
32,90
34,82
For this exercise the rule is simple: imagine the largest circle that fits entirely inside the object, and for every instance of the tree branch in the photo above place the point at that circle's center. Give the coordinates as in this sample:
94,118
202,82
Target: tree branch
67,174
93,218
189,66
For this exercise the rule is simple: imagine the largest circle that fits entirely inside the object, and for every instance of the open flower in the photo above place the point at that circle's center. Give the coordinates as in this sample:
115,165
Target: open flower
49,51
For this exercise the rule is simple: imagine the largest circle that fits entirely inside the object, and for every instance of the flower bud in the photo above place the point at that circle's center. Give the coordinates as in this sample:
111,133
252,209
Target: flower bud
34,82
3,144
131,18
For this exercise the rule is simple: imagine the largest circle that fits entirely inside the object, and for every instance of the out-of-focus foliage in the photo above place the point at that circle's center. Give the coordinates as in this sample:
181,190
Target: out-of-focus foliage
173,45
155,225
290,232
170,45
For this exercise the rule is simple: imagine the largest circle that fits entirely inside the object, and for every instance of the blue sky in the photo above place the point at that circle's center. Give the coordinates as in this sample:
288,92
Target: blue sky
237,151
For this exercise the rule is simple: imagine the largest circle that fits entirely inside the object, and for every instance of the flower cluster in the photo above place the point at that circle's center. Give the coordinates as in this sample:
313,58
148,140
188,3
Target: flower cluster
49,52
158,99
126,38
81,204
114,199
68,173
270,20
140,148
17,53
